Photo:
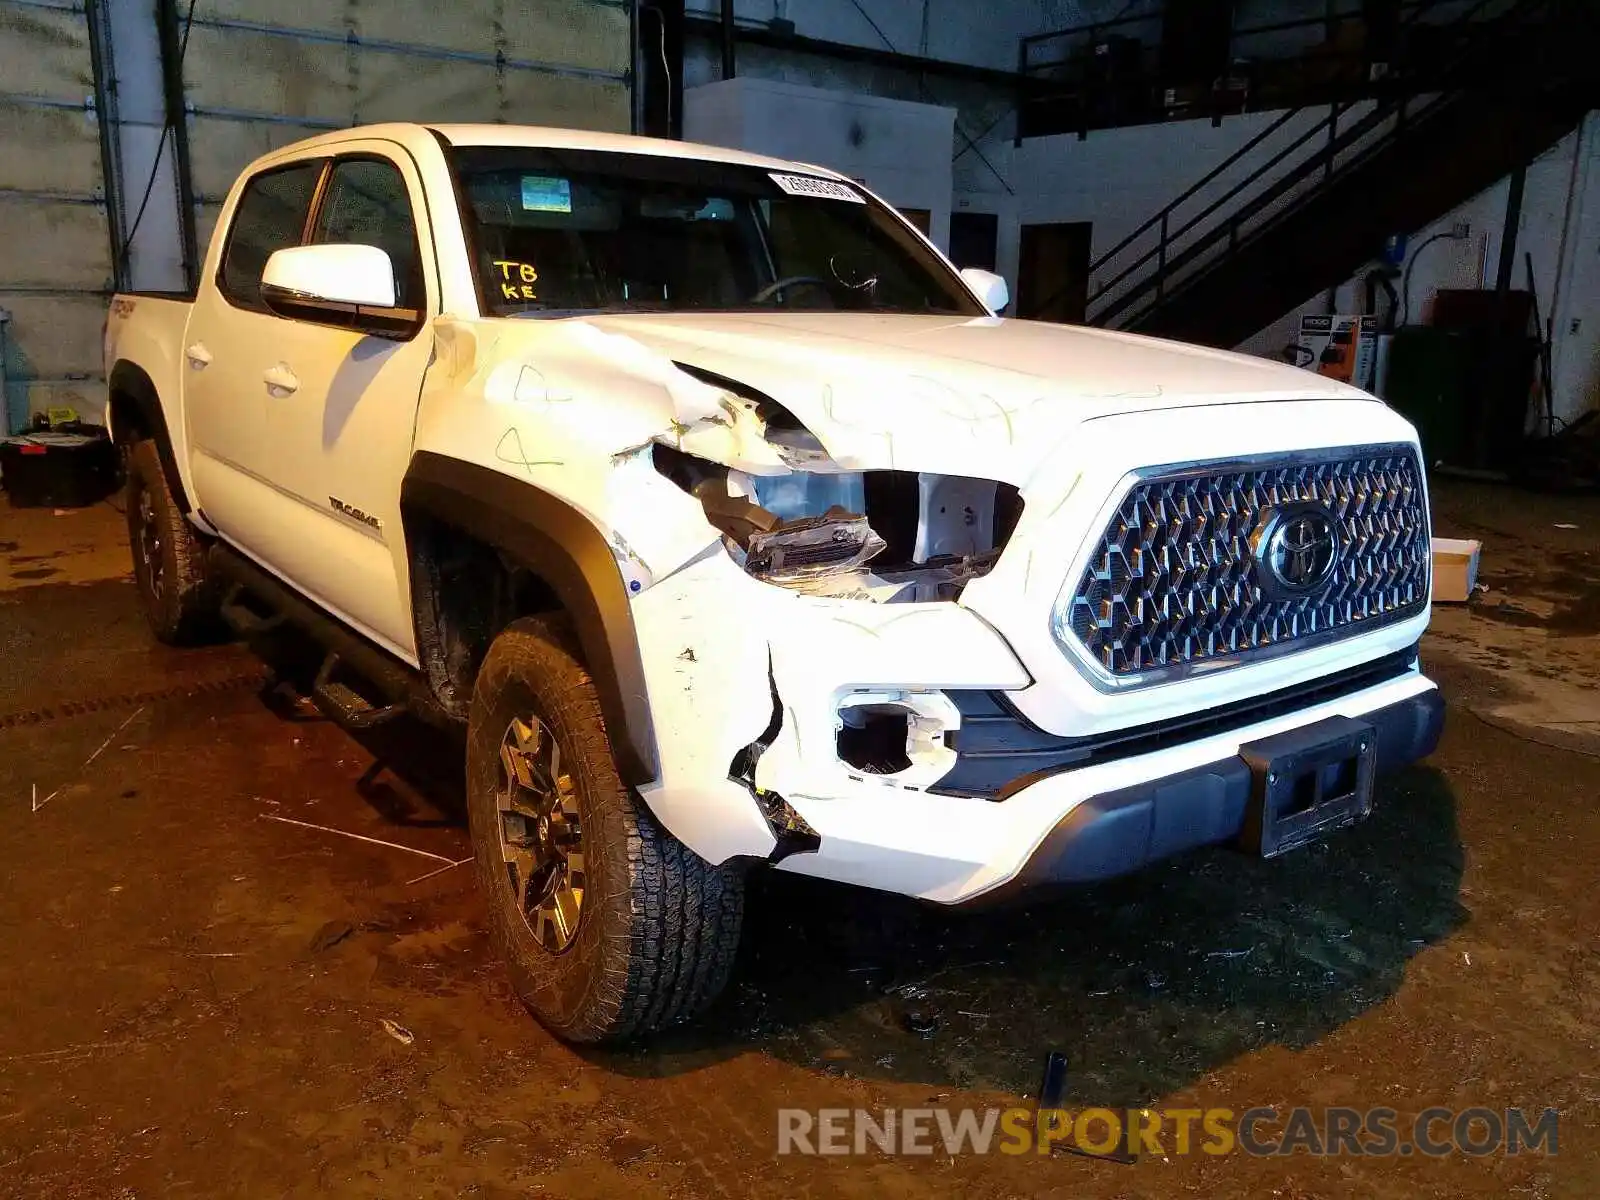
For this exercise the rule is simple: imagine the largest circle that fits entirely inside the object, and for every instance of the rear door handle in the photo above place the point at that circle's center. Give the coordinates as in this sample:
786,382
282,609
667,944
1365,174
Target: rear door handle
280,380
199,357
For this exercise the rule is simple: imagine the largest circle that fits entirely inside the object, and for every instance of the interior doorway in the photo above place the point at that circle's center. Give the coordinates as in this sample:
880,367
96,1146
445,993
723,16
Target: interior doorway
920,217
973,239
1053,272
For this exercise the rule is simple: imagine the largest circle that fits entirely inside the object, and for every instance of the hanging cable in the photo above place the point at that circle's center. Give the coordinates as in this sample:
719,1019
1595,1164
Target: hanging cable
1405,283
666,67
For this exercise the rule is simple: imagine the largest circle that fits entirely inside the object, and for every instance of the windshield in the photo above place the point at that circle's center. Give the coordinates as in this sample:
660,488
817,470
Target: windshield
553,232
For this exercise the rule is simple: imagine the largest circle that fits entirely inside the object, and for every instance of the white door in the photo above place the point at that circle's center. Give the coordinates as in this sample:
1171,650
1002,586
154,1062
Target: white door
341,411
225,397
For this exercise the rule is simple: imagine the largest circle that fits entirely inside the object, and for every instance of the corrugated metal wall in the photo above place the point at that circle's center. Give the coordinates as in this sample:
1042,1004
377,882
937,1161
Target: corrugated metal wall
55,249
259,74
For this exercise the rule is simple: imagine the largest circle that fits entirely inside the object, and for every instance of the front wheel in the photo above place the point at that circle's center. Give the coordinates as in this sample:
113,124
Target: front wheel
609,925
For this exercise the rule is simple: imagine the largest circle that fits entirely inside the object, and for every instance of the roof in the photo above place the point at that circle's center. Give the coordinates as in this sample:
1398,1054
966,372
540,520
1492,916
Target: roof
540,136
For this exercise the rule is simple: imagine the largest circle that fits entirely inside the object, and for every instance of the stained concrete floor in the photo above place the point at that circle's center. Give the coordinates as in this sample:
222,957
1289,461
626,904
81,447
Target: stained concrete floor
193,987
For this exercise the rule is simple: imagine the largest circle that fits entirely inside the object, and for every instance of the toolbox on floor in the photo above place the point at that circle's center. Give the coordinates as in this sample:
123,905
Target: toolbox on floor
58,468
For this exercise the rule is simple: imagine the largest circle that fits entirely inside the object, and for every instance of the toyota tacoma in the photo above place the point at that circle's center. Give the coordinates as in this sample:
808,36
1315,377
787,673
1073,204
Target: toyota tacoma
738,529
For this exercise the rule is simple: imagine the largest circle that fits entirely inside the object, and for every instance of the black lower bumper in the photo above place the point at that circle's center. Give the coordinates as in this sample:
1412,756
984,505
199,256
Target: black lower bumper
1117,832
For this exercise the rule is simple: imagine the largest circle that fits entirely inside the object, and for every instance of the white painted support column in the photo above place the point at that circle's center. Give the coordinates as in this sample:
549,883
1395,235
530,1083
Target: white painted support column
1575,354
155,256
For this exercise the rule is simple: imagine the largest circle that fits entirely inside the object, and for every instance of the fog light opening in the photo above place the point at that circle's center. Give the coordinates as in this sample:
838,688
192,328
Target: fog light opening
873,740
898,736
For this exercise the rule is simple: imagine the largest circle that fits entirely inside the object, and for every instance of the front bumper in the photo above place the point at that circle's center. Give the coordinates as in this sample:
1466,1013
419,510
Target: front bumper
1114,833
722,650
1088,822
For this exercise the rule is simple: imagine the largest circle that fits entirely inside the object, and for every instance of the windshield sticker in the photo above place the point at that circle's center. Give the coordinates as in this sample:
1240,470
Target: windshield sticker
546,193
808,185
516,280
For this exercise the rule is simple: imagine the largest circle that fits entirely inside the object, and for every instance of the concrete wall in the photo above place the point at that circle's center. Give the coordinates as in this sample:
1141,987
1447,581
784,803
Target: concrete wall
1114,179
983,35
899,149
1117,179
962,31
1559,226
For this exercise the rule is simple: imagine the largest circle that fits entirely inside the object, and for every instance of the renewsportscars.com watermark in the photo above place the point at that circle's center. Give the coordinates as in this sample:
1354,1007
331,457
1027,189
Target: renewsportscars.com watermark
1373,1132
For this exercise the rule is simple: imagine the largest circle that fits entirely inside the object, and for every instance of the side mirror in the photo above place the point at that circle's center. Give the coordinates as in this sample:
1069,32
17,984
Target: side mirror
349,286
990,287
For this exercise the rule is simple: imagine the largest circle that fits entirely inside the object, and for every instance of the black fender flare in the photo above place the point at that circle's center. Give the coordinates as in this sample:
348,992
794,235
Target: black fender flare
130,385
558,543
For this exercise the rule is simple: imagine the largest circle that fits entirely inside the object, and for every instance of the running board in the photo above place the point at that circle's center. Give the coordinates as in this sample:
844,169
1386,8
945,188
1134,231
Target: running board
401,688
346,705
244,620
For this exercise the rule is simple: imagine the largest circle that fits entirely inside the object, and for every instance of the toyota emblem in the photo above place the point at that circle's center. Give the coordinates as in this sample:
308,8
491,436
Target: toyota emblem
1296,549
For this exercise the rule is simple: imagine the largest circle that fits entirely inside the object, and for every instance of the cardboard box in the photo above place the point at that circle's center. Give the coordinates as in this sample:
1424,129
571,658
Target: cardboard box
1455,569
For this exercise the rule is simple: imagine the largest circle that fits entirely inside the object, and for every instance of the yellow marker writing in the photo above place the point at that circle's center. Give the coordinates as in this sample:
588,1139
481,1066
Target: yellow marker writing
510,290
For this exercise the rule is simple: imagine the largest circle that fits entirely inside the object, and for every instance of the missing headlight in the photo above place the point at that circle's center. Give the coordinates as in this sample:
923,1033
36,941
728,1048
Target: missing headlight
806,547
924,535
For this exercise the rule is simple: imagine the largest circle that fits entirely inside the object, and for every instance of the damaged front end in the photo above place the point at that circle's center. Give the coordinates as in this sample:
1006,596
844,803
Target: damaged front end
791,516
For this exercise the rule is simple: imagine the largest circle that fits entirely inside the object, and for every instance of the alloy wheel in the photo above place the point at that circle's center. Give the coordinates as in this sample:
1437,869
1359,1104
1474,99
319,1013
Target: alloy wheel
541,833
148,541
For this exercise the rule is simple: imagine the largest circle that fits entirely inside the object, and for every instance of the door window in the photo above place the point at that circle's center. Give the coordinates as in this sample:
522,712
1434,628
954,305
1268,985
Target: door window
271,215
366,204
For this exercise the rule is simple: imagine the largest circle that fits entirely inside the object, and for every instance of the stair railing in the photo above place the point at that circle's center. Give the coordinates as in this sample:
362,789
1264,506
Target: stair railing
1175,247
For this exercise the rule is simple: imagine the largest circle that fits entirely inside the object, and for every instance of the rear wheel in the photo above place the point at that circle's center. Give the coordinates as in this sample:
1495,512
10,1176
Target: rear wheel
168,559
610,926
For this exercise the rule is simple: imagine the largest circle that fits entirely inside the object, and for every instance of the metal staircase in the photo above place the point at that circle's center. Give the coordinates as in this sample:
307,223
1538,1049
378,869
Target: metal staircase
1308,200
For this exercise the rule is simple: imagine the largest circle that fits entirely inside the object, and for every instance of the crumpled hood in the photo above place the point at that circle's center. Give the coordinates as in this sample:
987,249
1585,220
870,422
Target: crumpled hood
984,397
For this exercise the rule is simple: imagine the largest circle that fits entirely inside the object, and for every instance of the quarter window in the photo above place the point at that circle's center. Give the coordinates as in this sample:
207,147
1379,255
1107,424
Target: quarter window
271,215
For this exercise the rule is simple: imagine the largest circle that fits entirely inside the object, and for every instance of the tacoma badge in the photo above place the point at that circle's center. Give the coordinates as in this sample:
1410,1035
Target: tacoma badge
352,511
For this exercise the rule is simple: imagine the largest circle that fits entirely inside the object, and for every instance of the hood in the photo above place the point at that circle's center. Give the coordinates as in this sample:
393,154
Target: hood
982,396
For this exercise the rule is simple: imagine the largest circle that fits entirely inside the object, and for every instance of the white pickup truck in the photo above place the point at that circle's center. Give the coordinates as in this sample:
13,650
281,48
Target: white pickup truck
739,529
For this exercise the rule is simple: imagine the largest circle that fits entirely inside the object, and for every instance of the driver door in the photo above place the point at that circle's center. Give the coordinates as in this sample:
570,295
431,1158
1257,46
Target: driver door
341,425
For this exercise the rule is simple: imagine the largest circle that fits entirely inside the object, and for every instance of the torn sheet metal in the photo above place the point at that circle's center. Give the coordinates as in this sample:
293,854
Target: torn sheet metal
702,639
707,636
827,649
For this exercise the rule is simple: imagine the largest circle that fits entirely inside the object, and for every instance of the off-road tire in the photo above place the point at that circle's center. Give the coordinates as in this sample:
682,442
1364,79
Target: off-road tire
168,557
658,925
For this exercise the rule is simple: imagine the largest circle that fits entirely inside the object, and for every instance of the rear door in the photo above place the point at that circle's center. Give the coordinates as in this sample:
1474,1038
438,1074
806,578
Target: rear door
224,353
341,420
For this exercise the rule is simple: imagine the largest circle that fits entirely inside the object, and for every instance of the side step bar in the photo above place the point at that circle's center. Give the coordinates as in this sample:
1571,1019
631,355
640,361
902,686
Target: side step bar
346,705
401,687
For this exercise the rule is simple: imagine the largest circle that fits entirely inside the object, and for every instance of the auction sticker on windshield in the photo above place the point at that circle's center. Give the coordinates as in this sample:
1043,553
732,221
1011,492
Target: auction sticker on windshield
807,185
542,193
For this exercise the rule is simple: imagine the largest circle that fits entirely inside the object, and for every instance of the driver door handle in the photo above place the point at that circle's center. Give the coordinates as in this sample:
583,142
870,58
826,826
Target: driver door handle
280,380
199,357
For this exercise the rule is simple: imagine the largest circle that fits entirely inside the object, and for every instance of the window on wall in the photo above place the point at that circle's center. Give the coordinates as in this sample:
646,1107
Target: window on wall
271,215
366,204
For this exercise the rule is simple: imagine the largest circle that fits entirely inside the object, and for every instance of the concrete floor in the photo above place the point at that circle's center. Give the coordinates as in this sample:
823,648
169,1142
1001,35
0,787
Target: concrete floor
195,987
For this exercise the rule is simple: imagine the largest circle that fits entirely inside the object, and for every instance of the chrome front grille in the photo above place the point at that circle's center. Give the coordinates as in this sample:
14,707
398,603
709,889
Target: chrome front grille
1174,582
